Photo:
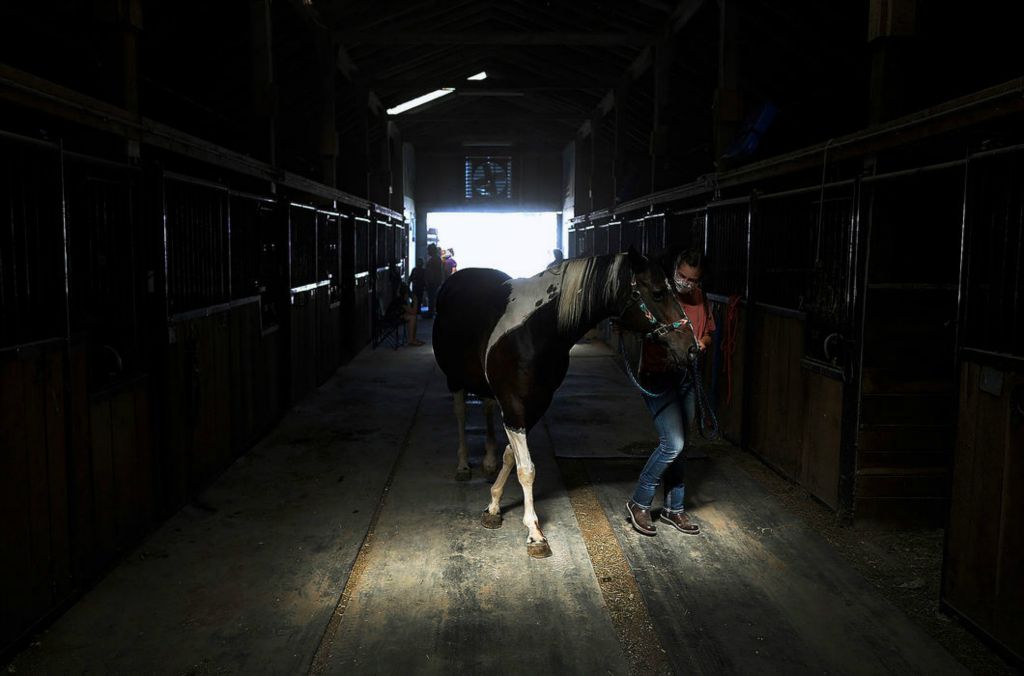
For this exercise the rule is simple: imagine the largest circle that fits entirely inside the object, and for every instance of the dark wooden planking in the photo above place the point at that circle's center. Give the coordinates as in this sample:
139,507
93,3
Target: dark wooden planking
902,512
304,344
822,415
144,442
220,396
1009,624
56,407
242,377
329,336
910,438
103,479
176,444
908,409
777,400
81,499
984,551
15,564
899,381
974,518
125,465
889,485
37,478
267,381
936,459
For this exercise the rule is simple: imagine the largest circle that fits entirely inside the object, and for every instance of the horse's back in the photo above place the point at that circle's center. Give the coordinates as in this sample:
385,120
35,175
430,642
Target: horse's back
468,306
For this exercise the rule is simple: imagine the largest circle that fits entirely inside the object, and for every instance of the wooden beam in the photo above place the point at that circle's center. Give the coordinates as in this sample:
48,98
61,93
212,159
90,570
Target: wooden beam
518,39
263,126
682,14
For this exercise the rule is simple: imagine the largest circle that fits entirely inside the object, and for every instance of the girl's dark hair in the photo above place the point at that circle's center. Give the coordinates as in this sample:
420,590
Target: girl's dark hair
692,257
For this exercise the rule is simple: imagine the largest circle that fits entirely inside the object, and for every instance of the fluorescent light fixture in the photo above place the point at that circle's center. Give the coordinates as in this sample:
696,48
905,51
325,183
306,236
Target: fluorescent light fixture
420,100
482,75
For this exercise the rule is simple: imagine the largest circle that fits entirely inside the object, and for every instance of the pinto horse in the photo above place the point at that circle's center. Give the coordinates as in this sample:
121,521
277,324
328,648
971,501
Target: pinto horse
509,340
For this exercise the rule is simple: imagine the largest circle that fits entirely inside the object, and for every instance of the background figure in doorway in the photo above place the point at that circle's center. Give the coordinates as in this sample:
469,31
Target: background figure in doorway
417,283
433,277
450,266
402,307
559,257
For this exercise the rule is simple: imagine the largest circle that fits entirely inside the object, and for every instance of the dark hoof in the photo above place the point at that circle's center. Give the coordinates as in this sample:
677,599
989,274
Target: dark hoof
491,521
463,474
538,550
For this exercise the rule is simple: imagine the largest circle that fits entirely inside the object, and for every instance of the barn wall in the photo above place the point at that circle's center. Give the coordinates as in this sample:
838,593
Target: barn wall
536,180
984,553
848,285
180,344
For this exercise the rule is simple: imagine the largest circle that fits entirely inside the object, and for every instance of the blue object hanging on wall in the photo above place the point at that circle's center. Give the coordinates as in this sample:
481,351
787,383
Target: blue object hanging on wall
754,127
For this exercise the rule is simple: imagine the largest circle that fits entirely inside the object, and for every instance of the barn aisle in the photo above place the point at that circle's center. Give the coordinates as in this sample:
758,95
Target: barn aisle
757,592
246,578
341,544
437,593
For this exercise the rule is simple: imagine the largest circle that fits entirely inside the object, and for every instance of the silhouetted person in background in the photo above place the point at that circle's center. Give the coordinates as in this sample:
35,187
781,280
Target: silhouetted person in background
433,277
416,281
450,266
559,257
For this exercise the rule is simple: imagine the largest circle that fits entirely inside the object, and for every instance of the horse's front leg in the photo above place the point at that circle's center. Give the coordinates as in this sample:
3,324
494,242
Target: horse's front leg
536,543
462,471
490,445
491,518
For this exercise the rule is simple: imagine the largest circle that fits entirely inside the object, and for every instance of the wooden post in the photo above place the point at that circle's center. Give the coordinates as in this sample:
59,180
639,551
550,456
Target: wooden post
594,187
661,130
396,193
727,104
619,147
581,162
263,91
892,25
328,146
125,19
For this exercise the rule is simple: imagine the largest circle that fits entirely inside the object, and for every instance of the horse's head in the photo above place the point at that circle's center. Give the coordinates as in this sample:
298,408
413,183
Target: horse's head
650,307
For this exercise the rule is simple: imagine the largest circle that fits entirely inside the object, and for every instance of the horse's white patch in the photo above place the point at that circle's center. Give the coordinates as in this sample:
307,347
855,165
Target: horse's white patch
527,295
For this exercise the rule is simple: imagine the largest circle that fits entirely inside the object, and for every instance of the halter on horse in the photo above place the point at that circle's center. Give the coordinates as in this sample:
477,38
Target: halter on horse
509,339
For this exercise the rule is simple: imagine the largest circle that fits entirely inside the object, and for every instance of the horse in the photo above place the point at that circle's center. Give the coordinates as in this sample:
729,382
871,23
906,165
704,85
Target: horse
509,340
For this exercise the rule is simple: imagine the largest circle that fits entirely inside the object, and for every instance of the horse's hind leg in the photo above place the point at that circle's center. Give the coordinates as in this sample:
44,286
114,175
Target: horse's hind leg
490,445
536,543
462,472
491,518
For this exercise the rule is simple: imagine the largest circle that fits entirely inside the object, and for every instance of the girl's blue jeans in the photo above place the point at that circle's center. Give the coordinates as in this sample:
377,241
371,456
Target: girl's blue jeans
671,412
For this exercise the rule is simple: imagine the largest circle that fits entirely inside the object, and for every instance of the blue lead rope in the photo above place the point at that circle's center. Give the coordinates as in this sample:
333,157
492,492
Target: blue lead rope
705,410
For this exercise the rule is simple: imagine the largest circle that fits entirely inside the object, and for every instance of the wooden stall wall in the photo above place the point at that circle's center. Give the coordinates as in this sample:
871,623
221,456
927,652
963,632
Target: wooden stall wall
305,290
35,568
258,289
984,555
361,318
908,400
329,296
145,342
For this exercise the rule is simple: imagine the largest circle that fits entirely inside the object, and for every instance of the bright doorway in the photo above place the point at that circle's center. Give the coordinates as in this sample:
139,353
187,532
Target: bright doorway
518,244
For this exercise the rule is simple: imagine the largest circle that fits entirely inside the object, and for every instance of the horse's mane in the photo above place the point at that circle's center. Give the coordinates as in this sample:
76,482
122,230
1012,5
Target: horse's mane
588,284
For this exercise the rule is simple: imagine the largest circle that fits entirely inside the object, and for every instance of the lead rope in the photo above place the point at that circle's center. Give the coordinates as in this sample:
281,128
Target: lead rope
629,371
705,410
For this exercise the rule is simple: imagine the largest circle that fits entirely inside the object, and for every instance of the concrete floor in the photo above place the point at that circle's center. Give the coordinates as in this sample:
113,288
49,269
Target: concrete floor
341,545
